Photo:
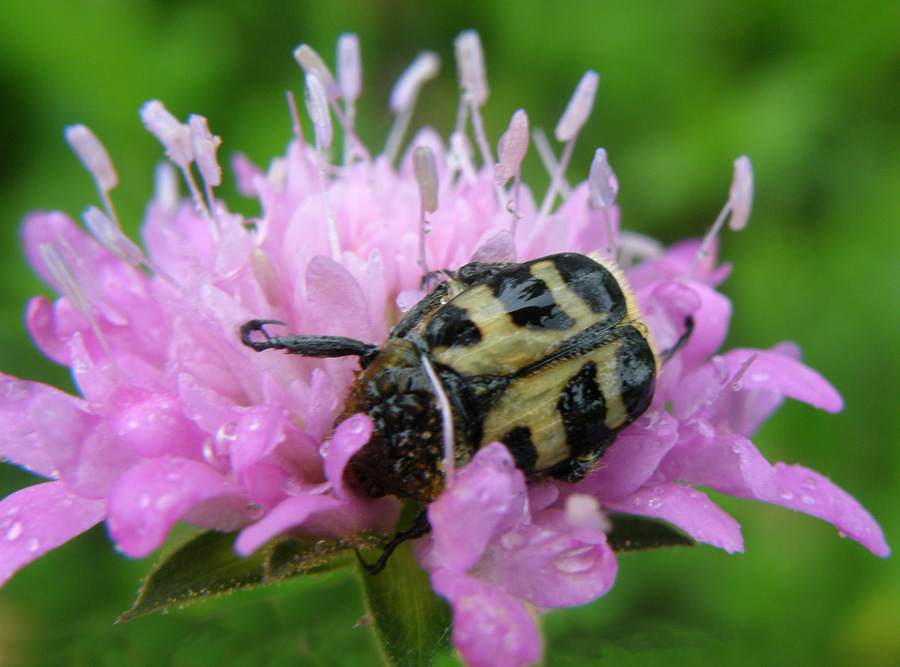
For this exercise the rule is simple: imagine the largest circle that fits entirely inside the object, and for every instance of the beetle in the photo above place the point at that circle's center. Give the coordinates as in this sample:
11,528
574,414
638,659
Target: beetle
548,356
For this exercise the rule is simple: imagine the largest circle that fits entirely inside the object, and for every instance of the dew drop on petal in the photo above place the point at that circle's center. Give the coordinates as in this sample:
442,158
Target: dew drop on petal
144,501
810,483
166,501
15,531
225,437
638,502
321,546
654,503
808,499
787,494
33,544
574,561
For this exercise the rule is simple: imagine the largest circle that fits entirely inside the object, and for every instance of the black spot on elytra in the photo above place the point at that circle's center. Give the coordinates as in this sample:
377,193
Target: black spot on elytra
637,372
451,326
528,300
523,451
593,283
583,409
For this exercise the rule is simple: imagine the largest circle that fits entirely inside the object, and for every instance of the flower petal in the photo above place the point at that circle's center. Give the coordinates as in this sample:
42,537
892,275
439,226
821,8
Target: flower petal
148,499
549,563
632,458
40,518
289,514
487,497
490,627
21,414
688,509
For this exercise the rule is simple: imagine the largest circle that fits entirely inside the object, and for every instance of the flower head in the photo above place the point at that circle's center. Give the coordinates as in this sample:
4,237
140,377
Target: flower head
177,420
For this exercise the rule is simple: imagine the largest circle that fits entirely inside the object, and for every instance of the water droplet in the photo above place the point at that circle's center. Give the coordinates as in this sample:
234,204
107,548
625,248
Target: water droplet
15,531
225,436
166,502
654,503
167,420
787,494
321,546
144,501
357,426
638,502
574,561
810,483
255,511
807,499
32,544
736,449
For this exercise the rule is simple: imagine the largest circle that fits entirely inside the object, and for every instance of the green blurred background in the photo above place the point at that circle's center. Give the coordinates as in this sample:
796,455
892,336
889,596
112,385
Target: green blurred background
809,90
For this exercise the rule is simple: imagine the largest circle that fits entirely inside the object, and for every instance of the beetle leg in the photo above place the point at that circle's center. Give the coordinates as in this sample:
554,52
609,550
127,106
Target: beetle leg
419,527
307,346
688,328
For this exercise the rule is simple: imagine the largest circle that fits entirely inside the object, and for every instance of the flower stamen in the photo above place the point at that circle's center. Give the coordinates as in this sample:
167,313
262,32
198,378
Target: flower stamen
604,186
425,173
740,200
511,151
317,107
570,124
404,95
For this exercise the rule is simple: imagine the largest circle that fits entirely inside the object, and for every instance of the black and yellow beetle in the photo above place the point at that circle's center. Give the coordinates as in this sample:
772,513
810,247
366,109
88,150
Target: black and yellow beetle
548,357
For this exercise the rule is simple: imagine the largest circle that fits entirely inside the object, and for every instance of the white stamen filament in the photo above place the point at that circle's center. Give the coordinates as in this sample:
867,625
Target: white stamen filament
96,160
470,61
741,194
446,423
548,159
404,95
603,187
570,124
349,74
111,237
731,384
740,200
205,144
425,173
579,108
317,107
312,62
511,150
71,288
176,139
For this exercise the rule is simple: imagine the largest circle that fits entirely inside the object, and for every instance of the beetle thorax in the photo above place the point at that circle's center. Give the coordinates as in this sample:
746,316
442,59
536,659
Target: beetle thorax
404,456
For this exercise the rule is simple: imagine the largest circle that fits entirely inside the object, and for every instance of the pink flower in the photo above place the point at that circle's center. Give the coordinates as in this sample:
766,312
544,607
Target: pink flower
177,420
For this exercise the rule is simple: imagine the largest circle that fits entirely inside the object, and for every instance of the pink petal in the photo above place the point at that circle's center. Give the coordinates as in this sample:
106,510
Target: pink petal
490,627
809,492
688,509
290,513
546,564
487,497
40,518
147,501
778,373
152,425
631,459
20,414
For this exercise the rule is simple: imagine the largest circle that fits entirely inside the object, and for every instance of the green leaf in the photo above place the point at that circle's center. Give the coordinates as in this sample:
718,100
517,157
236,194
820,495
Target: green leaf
634,533
411,623
208,566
